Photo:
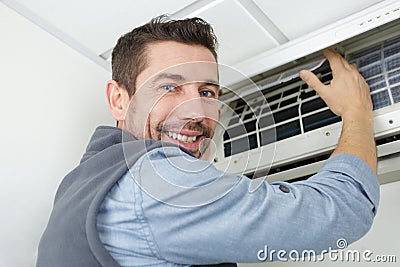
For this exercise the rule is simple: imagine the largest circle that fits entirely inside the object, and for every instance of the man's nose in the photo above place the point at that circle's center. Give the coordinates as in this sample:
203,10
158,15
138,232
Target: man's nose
191,105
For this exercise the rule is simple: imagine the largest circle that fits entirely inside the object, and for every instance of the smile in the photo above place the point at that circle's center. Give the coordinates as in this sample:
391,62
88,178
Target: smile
182,137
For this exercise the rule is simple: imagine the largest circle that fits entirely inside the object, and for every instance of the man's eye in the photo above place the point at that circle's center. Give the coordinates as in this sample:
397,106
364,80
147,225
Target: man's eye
207,94
168,87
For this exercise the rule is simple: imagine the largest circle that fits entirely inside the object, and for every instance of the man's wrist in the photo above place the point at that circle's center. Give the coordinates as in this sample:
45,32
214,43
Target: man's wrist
360,117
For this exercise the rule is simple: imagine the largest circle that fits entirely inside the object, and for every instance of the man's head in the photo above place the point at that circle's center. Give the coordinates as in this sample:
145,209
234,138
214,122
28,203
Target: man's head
165,82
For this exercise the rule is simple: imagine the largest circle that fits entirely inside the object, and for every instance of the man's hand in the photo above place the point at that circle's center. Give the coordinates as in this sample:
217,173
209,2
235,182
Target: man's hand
348,96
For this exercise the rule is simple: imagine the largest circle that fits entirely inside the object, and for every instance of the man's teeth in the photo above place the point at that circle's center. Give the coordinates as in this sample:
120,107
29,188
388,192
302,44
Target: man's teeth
182,138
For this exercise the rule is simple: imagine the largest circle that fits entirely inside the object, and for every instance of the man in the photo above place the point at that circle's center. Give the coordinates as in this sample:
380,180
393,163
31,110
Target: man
136,199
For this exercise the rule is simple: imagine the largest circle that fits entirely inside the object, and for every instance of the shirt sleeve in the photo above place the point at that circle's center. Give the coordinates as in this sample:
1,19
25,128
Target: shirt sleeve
205,216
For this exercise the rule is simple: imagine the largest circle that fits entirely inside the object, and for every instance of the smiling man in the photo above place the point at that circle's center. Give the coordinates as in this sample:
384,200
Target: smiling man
180,104
142,195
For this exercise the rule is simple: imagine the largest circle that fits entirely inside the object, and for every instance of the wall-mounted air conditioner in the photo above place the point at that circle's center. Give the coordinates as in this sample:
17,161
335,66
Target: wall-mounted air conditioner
304,131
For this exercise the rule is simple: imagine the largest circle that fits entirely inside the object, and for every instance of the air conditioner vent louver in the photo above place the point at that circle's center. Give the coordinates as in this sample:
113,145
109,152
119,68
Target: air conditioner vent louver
297,109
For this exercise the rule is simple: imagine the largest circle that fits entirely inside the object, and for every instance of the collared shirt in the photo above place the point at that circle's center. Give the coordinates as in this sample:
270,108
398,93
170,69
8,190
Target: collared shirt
172,208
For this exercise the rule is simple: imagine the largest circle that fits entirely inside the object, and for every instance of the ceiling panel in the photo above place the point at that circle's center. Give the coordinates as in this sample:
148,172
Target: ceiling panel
97,24
296,18
240,36
245,28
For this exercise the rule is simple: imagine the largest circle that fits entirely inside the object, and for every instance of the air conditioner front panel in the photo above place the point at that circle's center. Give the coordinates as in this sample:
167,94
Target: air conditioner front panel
289,122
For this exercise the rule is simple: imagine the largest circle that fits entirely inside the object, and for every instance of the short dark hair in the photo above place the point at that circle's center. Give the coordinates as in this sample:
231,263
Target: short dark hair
129,54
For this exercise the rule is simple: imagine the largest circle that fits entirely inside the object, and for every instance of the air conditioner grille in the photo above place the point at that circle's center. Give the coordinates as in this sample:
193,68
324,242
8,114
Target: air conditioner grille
297,109
396,94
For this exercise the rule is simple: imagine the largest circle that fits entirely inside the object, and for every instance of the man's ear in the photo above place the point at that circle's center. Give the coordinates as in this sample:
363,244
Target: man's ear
117,99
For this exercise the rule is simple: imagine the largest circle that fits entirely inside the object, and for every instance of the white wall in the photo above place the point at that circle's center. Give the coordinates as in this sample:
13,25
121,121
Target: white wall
52,98
382,239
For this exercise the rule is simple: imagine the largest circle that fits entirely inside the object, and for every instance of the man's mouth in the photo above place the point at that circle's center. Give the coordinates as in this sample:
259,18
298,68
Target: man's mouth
190,136
182,138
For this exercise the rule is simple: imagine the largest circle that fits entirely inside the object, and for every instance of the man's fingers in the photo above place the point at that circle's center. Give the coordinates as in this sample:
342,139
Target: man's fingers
312,80
336,61
333,57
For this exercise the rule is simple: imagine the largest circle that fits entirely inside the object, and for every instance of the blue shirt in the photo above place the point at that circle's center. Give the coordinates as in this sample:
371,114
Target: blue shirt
172,208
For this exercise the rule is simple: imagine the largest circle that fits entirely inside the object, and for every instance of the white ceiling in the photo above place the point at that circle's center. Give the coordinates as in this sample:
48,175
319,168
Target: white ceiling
245,28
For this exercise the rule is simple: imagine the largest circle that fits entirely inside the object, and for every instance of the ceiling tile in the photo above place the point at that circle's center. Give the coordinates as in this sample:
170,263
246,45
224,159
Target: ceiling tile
239,34
296,18
97,24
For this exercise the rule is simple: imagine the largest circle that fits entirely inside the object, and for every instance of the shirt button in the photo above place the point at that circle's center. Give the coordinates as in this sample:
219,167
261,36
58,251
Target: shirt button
284,188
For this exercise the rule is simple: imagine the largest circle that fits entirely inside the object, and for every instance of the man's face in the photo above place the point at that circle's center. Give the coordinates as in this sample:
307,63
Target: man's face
176,96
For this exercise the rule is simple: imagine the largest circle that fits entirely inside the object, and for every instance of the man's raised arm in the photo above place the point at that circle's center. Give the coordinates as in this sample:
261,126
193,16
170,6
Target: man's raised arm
348,96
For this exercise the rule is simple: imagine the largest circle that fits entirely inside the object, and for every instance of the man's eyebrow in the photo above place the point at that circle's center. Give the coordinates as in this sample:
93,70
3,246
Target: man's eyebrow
170,76
179,78
210,82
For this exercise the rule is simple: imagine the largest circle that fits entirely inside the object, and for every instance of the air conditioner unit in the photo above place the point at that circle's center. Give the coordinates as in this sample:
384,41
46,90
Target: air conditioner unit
305,131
